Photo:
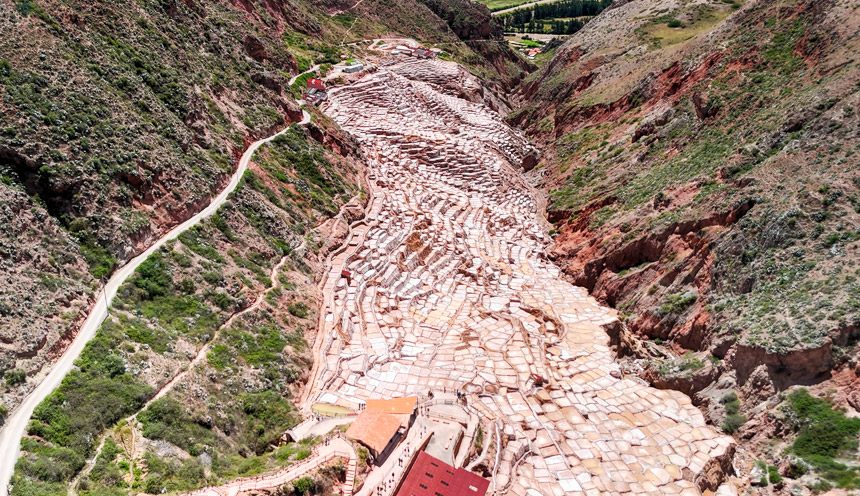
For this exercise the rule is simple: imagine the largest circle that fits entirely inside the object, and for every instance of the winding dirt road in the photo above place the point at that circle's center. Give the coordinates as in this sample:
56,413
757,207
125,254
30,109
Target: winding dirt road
16,423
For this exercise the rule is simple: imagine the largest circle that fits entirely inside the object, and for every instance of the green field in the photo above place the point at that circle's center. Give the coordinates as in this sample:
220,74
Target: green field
495,5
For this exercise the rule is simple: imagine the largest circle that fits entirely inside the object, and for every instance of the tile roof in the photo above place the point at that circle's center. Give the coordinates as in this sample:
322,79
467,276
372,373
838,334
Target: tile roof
316,84
374,429
394,405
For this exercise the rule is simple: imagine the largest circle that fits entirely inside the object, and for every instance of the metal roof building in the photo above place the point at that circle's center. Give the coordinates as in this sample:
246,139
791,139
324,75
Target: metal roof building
430,476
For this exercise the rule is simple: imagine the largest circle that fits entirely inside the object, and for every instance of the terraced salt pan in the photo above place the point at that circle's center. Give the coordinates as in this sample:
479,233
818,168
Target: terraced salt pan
450,289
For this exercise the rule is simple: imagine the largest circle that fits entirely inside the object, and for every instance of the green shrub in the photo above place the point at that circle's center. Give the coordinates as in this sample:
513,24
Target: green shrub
734,419
820,486
84,405
166,419
15,377
152,276
91,398
677,303
733,422
262,347
221,299
155,337
837,473
823,431
304,485
685,365
675,23
48,463
269,415
298,309
172,476
27,486
213,277
773,474
250,466
105,472
335,471
220,356
99,259
197,241
797,468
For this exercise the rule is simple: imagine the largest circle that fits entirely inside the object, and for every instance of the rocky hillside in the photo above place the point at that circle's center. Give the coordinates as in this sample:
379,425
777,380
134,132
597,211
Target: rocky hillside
190,380
701,161
120,120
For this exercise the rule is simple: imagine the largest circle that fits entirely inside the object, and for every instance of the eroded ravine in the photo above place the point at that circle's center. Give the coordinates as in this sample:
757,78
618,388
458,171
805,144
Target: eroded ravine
448,289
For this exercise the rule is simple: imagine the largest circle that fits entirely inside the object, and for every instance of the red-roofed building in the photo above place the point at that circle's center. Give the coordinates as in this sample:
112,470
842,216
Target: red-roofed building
430,476
379,431
316,84
423,53
315,94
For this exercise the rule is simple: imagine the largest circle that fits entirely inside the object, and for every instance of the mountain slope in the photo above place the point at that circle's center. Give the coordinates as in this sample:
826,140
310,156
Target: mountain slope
121,120
701,163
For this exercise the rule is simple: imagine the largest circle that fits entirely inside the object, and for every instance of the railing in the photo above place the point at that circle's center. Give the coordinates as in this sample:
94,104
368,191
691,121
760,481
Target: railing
278,478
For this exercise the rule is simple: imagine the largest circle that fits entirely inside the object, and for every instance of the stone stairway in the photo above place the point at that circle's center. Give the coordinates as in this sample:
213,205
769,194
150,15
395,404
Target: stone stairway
350,477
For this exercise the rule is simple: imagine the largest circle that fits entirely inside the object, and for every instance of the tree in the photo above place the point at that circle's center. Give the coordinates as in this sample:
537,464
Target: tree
305,485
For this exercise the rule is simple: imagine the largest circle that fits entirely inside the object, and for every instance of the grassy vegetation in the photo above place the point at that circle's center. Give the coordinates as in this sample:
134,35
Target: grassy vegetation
167,419
677,303
320,482
530,43
684,366
261,117
734,418
822,430
269,416
496,5
824,434
312,175
14,377
665,30
91,398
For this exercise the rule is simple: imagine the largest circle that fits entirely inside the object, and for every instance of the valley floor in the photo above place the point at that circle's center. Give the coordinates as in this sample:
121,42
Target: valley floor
444,289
